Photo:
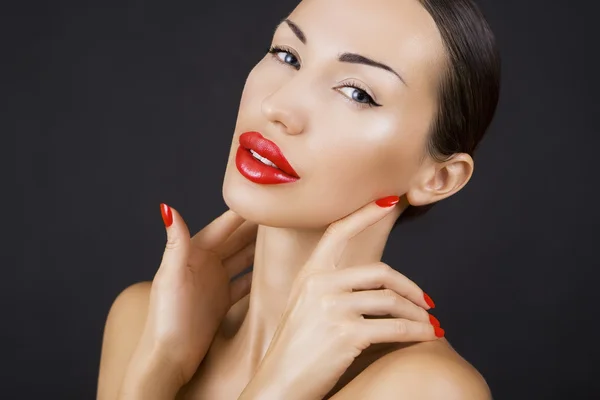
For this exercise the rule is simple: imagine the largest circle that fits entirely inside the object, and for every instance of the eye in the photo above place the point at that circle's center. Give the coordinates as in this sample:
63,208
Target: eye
285,56
358,95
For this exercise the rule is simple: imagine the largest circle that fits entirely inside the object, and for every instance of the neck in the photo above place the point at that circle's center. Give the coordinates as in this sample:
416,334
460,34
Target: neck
280,255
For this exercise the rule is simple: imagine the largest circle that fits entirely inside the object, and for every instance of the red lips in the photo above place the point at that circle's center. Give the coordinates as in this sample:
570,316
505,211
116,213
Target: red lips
257,171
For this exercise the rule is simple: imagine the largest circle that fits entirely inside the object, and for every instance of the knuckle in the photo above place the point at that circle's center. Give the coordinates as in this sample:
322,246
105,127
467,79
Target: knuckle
332,229
312,282
360,338
383,267
400,327
383,270
172,243
389,296
329,303
345,332
190,267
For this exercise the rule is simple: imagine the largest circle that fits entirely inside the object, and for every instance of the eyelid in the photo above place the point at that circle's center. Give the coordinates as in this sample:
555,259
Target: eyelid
274,49
357,85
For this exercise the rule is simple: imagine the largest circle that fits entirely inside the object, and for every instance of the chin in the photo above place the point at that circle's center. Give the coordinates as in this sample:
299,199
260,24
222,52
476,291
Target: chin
247,199
251,201
279,206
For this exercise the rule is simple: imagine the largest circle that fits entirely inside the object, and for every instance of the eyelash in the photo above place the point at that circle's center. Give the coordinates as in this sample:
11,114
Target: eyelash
273,50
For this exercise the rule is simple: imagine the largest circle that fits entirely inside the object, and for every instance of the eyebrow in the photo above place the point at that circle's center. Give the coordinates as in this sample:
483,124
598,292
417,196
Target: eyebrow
297,31
346,57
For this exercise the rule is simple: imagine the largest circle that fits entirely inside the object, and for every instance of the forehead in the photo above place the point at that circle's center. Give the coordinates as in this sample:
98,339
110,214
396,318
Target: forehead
400,33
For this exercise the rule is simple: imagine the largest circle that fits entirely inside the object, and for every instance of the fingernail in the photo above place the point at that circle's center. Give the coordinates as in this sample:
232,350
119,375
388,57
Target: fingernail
388,201
428,300
439,332
167,216
434,321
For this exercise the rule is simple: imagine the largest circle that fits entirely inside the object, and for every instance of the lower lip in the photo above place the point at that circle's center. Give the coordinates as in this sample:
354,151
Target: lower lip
258,172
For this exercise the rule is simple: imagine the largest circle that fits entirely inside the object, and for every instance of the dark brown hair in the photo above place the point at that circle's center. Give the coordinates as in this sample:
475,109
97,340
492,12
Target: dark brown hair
470,87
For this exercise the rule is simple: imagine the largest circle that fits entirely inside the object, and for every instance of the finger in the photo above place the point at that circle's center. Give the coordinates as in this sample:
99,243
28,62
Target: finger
239,261
240,287
240,238
215,233
336,237
389,330
178,239
383,302
377,276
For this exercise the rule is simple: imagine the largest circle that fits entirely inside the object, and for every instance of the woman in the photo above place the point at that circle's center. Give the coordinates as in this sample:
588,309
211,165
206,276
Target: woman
360,113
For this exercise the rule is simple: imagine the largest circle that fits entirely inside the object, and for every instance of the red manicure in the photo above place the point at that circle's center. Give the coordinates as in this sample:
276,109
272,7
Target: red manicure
428,300
167,216
434,321
388,201
439,332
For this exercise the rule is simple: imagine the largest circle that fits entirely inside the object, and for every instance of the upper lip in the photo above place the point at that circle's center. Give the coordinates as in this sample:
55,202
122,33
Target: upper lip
266,148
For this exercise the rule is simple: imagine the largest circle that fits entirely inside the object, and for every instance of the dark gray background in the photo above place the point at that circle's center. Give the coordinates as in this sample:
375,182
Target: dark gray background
114,107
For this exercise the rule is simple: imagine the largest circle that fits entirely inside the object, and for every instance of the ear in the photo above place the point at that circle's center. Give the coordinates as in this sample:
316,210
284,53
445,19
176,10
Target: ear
439,180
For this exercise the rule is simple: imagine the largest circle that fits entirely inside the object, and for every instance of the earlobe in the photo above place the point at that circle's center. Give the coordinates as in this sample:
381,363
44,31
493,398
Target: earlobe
441,180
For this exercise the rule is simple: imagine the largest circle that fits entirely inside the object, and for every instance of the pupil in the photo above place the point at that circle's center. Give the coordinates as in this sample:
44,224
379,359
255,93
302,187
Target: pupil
359,96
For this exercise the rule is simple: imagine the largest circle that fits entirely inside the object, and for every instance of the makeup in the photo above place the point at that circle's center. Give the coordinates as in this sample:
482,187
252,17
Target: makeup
262,161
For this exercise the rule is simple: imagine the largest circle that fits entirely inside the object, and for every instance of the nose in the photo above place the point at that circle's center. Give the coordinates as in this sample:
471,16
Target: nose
282,108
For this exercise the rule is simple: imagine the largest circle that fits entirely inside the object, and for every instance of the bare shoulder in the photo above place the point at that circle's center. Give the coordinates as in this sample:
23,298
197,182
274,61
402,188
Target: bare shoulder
122,330
423,371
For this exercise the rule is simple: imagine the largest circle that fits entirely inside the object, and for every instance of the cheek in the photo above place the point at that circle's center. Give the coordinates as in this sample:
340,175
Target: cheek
344,181
368,155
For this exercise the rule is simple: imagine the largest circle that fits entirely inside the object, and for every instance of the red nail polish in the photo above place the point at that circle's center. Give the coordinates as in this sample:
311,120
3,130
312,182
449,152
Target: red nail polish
434,321
388,201
428,300
439,332
167,216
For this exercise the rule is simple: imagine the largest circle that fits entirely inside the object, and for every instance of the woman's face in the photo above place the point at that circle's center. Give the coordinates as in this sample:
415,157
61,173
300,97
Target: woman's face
348,95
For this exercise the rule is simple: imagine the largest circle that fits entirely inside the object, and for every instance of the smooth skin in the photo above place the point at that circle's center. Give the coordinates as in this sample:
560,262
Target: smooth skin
157,333
325,313
348,154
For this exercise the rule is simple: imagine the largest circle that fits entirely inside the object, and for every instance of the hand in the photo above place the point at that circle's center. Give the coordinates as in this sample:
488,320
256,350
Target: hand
191,291
323,328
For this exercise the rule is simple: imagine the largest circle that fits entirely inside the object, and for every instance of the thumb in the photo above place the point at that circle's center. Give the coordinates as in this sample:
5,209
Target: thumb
337,236
178,238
